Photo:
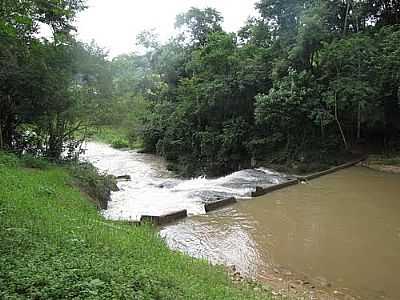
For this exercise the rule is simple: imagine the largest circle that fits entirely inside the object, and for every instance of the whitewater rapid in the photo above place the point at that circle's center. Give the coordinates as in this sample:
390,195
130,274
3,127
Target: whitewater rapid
153,190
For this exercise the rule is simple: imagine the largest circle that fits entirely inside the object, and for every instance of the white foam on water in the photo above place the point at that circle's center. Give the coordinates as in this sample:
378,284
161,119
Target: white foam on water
153,190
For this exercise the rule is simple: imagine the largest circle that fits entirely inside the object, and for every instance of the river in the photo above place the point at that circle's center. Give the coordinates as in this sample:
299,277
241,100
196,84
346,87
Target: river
339,234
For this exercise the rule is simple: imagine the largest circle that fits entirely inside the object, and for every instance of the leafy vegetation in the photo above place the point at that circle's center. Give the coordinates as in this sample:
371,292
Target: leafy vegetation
49,88
117,137
96,185
54,245
301,82
304,83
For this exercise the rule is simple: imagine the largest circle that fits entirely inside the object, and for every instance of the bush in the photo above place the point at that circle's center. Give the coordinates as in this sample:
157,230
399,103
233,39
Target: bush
8,160
30,161
26,161
95,184
119,143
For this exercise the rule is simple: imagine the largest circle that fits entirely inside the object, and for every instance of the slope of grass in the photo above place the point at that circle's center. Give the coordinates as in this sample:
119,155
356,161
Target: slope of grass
54,245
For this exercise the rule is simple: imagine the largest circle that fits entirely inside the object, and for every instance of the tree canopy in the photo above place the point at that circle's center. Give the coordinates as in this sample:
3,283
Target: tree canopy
303,81
47,86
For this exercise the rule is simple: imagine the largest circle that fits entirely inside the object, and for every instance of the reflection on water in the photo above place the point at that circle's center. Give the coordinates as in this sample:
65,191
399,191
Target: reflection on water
340,231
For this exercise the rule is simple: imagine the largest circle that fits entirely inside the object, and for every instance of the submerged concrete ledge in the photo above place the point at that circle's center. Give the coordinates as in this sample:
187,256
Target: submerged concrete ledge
219,204
330,170
164,219
124,177
260,191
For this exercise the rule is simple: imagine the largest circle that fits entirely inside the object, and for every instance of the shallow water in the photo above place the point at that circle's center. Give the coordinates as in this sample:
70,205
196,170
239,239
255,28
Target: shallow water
340,232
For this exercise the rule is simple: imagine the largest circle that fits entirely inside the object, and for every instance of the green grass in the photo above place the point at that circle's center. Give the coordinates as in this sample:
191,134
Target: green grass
55,245
117,137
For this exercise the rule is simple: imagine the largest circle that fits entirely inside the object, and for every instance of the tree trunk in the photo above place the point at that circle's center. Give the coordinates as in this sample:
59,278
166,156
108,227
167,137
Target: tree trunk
340,126
359,102
8,123
1,136
322,129
56,138
346,19
359,121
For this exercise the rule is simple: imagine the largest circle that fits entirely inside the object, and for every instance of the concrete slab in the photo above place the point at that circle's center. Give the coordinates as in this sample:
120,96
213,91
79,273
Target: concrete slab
219,204
164,219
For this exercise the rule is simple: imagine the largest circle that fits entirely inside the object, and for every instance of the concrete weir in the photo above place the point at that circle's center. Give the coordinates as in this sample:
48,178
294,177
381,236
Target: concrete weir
164,219
219,204
330,170
260,191
124,177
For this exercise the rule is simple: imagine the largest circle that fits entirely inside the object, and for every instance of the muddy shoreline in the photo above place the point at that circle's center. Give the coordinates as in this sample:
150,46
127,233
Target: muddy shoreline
381,163
394,169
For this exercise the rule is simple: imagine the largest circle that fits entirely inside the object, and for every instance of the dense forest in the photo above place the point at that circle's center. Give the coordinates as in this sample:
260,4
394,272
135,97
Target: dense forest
302,83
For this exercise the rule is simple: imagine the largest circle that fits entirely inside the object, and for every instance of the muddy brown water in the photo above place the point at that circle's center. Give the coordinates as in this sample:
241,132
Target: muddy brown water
340,232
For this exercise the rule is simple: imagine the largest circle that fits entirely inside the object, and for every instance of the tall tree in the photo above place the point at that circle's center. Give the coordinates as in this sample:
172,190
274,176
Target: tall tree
197,24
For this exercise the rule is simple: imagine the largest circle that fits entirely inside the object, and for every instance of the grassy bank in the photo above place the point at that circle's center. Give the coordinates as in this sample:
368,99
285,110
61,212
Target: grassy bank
54,245
116,137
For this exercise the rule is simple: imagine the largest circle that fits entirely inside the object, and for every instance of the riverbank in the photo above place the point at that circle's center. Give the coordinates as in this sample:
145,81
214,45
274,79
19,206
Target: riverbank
384,164
312,162
55,245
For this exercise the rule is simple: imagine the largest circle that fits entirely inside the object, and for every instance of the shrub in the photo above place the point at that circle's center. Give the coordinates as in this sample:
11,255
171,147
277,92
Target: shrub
8,159
30,161
119,143
95,184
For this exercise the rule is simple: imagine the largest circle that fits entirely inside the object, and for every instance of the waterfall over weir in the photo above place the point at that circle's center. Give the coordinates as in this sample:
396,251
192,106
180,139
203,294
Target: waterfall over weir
153,190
